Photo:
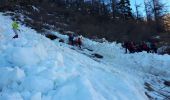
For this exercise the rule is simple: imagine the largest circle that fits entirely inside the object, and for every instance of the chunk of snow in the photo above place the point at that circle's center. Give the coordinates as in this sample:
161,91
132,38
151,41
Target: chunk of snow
37,84
25,56
36,96
10,75
10,96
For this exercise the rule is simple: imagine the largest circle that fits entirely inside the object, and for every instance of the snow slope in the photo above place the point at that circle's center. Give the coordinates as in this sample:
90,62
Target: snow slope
33,67
138,62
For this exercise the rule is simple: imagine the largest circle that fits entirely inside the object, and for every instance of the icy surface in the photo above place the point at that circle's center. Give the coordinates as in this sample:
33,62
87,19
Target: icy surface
33,67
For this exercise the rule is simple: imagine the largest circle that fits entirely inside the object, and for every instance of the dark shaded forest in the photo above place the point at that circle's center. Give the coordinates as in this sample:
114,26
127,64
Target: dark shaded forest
113,20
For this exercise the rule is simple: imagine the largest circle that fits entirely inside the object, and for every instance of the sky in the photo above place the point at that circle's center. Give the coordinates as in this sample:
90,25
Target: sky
167,2
142,12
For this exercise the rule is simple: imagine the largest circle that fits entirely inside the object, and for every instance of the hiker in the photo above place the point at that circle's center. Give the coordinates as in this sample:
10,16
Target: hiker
78,41
71,39
15,27
153,47
125,45
145,47
137,47
131,47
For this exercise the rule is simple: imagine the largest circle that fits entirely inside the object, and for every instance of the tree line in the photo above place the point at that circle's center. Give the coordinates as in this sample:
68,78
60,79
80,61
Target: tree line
114,8
110,11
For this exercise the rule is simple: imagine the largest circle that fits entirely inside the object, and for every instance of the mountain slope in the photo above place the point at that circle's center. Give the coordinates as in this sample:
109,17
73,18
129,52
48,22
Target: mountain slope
35,68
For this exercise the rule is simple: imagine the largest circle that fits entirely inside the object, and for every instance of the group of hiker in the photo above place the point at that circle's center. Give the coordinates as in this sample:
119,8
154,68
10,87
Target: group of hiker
75,39
132,47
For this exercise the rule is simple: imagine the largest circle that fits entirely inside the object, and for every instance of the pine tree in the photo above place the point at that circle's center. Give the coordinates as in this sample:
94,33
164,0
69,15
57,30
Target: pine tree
137,6
113,4
158,11
124,8
148,10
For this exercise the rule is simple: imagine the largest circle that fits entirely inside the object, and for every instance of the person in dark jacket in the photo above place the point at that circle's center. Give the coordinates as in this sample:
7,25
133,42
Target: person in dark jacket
154,47
71,39
131,47
145,47
78,41
125,45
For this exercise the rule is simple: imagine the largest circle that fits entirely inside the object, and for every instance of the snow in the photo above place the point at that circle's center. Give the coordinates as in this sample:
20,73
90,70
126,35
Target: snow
11,96
36,68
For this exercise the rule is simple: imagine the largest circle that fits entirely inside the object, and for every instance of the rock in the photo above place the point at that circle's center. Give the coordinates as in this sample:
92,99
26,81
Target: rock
168,51
164,50
51,36
61,40
148,86
167,83
151,98
89,49
97,55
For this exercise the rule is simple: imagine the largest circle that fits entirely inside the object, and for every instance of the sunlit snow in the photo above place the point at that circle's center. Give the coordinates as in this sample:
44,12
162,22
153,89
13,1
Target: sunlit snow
33,67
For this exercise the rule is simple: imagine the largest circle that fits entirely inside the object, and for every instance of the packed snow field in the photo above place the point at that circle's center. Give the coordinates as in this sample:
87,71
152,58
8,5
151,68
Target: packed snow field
33,67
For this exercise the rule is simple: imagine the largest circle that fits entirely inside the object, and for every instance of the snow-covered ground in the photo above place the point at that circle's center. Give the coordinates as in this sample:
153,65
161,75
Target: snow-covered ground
33,67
